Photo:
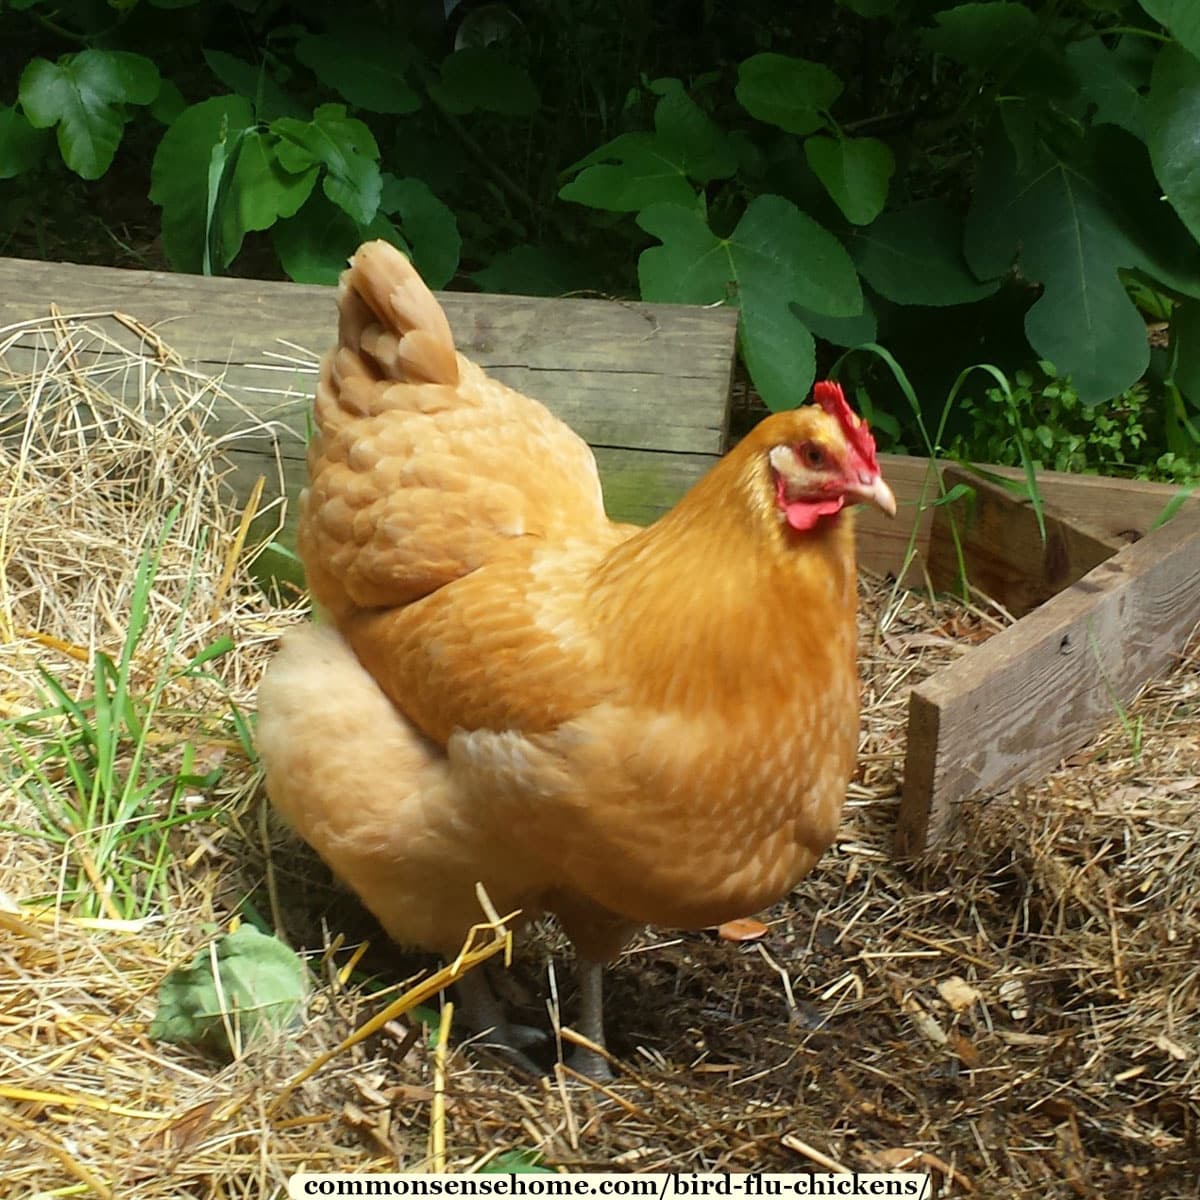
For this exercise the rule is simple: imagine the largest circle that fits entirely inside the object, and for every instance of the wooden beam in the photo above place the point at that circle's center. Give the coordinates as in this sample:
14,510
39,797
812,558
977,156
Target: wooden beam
647,384
1120,510
1003,552
1012,708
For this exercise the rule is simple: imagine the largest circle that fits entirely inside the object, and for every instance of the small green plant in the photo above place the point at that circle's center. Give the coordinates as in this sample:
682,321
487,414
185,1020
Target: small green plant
1065,434
85,765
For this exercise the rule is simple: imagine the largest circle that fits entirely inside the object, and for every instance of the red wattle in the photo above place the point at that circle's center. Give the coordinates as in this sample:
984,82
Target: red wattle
802,515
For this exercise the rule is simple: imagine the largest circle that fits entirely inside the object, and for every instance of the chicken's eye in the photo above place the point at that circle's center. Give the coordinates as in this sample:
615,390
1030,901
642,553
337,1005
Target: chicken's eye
812,456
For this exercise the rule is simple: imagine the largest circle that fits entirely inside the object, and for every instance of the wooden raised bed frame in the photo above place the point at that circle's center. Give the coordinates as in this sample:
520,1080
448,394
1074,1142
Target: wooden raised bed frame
1105,603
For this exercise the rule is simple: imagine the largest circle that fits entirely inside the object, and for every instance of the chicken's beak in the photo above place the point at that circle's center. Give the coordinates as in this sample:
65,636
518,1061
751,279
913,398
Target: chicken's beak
873,491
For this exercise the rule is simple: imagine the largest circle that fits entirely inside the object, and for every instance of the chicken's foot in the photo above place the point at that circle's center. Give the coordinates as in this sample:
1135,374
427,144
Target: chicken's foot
485,1014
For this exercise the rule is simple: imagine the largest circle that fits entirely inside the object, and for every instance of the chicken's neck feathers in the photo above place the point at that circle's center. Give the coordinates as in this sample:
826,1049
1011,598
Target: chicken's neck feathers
721,597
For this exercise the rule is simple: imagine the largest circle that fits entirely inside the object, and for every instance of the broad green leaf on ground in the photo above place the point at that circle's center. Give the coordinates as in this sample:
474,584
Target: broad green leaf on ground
479,77
775,257
1173,119
87,96
534,271
315,245
856,172
1061,231
914,255
363,64
792,93
345,147
179,174
1114,80
256,83
636,170
249,984
258,192
428,226
983,35
1181,17
21,146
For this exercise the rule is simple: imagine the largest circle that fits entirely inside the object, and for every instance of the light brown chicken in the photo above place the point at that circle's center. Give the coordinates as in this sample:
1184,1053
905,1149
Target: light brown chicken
616,725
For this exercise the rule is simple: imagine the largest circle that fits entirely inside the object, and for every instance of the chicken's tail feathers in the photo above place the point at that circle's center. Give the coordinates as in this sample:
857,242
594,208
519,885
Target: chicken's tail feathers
392,321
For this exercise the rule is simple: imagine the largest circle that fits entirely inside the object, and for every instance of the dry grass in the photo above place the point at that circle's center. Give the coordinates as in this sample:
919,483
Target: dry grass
1019,1016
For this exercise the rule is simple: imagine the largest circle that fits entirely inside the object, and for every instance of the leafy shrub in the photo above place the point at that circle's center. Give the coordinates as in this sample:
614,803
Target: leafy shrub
1064,434
936,177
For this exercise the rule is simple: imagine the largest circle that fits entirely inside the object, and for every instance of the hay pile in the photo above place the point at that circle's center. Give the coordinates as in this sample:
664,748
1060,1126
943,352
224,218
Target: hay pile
1018,1016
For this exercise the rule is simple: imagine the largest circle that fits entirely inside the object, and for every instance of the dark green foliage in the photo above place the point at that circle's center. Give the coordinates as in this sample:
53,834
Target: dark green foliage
1003,180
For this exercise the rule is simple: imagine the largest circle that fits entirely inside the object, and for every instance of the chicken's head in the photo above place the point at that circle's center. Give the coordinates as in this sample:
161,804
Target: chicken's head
821,458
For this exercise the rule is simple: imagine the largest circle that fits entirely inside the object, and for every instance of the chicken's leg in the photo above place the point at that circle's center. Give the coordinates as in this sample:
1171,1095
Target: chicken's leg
591,1021
485,1014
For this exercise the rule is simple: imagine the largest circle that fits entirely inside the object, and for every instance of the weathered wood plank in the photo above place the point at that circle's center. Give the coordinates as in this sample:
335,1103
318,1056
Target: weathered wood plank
1122,510
1012,708
616,372
646,384
1002,548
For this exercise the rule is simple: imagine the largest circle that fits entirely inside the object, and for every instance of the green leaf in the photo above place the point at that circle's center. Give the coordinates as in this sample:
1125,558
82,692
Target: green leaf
840,331
479,77
792,93
533,271
363,64
692,266
249,983
775,257
1059,228
429,227
1181,17
704,151
636,170
1173,118
856,173
179,174
644,172
256,83
347,150
259,191
315,244
914,255
168,104
21,146
1119,165
984,35
85,95
1114,80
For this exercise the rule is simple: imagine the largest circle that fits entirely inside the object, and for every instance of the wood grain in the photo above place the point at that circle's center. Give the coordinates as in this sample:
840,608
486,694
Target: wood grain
1003,551
648,384
1012,708
1120,510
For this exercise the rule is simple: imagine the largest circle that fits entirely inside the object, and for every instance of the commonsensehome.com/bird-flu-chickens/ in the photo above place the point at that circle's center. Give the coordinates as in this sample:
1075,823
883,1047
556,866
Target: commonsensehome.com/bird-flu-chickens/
656,1185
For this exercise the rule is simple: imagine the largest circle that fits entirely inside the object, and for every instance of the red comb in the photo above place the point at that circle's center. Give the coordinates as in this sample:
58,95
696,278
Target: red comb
830,397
